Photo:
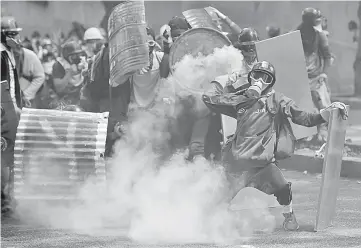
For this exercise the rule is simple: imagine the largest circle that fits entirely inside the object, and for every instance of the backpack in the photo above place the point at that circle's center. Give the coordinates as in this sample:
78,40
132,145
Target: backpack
285,139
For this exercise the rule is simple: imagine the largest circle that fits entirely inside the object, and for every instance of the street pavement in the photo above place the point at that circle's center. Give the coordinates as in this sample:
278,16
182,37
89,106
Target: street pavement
353,132
345,232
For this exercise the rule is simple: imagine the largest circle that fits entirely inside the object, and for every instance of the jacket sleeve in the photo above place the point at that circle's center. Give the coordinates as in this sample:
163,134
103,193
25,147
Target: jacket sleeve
235,29
299,116
37,72
325,51
217,101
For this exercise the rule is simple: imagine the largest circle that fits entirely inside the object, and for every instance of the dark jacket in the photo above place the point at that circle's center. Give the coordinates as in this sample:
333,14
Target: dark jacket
255,137
5,75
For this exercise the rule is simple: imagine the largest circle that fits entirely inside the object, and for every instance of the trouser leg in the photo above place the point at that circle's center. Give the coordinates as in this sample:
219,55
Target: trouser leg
119,103
268,179
321,99
198,138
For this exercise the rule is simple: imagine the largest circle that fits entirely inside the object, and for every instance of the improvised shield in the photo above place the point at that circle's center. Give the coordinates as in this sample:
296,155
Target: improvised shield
194,42
199,18
55,151
128,48
291,74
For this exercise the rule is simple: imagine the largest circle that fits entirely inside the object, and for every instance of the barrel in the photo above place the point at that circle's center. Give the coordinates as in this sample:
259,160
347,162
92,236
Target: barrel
56,152
128,48
199,18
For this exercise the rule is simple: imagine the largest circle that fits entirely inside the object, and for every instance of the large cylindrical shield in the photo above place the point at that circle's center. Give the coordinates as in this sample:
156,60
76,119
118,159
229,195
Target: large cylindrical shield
128,49
194,42
199,18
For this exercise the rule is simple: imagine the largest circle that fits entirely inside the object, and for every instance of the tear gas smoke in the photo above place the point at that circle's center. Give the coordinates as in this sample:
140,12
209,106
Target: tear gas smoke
158,200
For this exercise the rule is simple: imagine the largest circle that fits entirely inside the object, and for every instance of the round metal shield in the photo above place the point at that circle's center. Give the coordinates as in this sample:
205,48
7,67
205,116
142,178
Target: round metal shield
195,41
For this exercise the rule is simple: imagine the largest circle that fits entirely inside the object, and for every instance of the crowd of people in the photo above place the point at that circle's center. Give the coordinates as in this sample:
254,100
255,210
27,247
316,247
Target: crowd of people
74,74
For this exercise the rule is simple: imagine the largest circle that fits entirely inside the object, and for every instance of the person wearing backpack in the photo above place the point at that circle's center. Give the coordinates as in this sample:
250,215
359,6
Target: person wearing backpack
263,135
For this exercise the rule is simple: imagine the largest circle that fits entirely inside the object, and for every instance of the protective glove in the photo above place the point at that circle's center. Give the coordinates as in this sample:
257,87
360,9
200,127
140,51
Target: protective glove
326,112
119,129
218,13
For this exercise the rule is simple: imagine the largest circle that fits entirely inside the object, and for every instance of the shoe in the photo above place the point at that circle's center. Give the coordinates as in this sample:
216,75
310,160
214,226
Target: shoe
290,222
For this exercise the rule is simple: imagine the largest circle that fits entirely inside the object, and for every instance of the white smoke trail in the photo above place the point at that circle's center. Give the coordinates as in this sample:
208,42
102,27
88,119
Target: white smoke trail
163,201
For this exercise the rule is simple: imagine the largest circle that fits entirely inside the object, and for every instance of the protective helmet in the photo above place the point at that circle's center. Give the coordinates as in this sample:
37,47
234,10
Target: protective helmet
9,24
311,16
264,71
71,48
248,36
93,34
273,31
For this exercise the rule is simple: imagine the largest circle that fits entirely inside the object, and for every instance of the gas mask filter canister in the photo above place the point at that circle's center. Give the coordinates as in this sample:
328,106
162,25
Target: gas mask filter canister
260,82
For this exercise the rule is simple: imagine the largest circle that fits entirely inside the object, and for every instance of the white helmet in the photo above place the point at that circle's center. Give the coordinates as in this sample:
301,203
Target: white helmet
93,34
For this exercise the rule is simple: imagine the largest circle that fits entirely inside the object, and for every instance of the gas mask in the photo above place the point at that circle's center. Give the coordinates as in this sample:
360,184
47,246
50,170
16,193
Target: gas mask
13,40
260,81
318,25
151,45
75,58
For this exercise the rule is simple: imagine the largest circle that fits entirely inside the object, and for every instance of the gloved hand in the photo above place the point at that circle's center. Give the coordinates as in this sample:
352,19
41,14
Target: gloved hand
218,13
326,112
166,38
323,75
119,129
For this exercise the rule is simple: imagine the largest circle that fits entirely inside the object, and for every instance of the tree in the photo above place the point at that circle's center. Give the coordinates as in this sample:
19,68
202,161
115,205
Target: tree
357,64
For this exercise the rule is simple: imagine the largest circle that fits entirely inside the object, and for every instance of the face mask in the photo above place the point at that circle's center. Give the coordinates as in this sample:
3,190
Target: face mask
318,27
249,53
260,82
13,43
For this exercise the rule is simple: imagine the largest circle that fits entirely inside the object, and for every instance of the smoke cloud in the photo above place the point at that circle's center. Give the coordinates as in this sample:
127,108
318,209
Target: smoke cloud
154,197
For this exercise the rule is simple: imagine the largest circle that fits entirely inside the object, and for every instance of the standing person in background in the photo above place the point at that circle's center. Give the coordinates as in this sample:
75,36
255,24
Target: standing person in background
36,42
318,61
93,43
31,75
94,96
273,31
67,75
11,103
246,44
93,40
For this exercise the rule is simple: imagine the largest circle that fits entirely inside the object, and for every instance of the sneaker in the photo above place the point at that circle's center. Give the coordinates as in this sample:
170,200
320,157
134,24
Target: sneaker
290,222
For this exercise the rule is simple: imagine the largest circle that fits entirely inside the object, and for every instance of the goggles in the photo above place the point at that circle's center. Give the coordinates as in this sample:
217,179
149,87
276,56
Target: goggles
264,77
11,34
76,57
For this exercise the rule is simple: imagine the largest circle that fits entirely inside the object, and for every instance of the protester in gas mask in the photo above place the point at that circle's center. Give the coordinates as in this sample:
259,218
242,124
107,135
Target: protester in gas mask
11,103
238,81
93,40
318,60
263,135
67,75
